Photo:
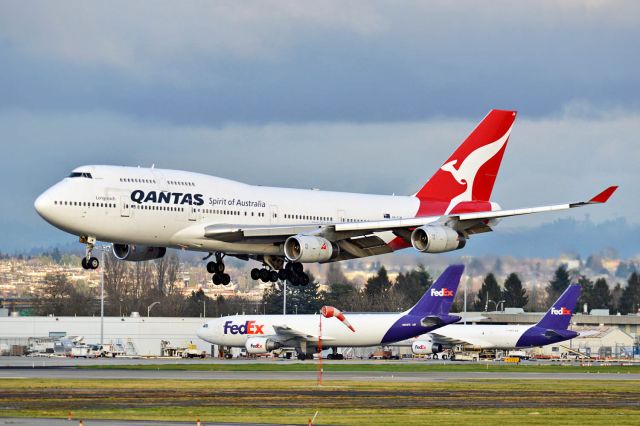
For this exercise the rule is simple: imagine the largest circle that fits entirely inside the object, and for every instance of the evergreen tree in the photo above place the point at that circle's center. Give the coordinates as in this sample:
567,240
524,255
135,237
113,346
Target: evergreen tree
601,296
412,285
490,290
514,295
335,274
586,293
305,299
630,298
341,296
379,284
616,295
558,284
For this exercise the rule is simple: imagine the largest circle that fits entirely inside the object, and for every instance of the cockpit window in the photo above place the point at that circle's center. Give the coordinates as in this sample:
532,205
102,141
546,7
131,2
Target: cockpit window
205,326
79,174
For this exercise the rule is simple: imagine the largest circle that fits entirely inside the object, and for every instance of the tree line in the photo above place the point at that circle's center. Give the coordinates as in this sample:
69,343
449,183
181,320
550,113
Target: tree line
134,286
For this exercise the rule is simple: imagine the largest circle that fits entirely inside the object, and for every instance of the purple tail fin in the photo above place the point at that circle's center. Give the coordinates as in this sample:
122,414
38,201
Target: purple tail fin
438,299
559,314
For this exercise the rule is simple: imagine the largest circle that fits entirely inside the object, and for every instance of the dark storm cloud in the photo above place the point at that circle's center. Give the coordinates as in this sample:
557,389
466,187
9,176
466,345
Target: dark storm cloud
379,62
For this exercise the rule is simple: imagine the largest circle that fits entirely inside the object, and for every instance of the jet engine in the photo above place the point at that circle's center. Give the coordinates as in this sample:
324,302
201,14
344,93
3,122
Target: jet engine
261,345
137,253
309,249
436,239
421,347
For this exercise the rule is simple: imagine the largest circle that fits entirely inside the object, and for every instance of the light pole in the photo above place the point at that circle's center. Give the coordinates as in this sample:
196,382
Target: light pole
103,250
284,303
151,306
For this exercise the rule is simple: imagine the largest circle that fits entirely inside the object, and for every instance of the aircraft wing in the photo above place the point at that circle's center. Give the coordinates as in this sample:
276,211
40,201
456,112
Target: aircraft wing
452,341
358,239
288,333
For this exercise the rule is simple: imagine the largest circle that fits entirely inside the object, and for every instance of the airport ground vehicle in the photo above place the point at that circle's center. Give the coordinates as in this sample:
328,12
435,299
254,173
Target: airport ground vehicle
144,211
82,351
192,351
383,354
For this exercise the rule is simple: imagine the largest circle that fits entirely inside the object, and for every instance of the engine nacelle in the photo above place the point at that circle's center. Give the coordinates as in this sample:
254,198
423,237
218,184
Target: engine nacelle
421,347
309,249
436,239
137,253
261,345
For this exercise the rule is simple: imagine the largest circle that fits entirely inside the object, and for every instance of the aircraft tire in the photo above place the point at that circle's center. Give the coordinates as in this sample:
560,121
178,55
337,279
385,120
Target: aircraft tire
255,274
434,356
219,267
211,267
304,279
264,275
282,274
297,267
226,279
216,279
273,276
93,263
84,263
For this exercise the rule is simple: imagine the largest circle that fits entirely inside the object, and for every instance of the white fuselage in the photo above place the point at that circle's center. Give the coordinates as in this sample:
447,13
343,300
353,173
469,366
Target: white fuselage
124,205
486,336
370,329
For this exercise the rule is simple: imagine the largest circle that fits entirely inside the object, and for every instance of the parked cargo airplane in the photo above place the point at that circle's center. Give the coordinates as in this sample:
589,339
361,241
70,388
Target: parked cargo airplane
265,333
142,211
552,328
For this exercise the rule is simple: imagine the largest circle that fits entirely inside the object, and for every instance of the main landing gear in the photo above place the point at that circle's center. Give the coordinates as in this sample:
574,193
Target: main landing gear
217,269
293,272
89,261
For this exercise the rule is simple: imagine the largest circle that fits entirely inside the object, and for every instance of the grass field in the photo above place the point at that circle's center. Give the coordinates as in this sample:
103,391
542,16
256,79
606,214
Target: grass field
382,367
486,402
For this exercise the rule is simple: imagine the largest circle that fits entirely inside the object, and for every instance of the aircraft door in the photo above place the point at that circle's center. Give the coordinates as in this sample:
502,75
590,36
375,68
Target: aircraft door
273,215
125,207
193,213
341,216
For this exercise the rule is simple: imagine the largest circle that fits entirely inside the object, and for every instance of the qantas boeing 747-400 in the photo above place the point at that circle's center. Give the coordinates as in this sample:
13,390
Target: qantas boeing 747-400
142,211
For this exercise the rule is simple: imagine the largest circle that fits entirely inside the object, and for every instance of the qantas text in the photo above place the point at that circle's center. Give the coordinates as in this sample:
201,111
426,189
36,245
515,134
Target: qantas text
139,196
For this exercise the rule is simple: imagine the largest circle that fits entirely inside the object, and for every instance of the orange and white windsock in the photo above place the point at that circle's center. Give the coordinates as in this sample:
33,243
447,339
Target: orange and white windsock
330,311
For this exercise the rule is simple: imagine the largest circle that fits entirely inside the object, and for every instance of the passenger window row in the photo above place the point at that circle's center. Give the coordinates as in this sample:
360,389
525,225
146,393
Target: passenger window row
85,204
308,217
225,212
153,207
183,183
137,180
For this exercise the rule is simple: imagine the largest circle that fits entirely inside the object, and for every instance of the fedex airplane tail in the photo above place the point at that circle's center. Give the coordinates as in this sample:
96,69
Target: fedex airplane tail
468,175
558,316
439,298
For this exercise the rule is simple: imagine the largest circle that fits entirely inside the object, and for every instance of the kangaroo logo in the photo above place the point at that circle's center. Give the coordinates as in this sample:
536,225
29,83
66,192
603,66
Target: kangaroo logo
465,174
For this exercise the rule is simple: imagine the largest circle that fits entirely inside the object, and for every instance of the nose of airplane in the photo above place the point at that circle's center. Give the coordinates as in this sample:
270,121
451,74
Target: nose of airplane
42,204
201,333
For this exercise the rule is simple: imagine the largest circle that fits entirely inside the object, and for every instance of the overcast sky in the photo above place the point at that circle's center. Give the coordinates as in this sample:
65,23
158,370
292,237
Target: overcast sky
352,96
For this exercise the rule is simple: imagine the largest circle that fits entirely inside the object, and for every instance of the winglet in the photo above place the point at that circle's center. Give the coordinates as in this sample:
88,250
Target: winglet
604,196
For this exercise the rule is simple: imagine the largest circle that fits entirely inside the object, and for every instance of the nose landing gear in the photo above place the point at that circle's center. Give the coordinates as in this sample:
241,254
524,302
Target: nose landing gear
89,261
217,269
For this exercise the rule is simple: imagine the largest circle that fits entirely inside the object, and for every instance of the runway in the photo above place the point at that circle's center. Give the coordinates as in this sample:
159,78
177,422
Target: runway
377,376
